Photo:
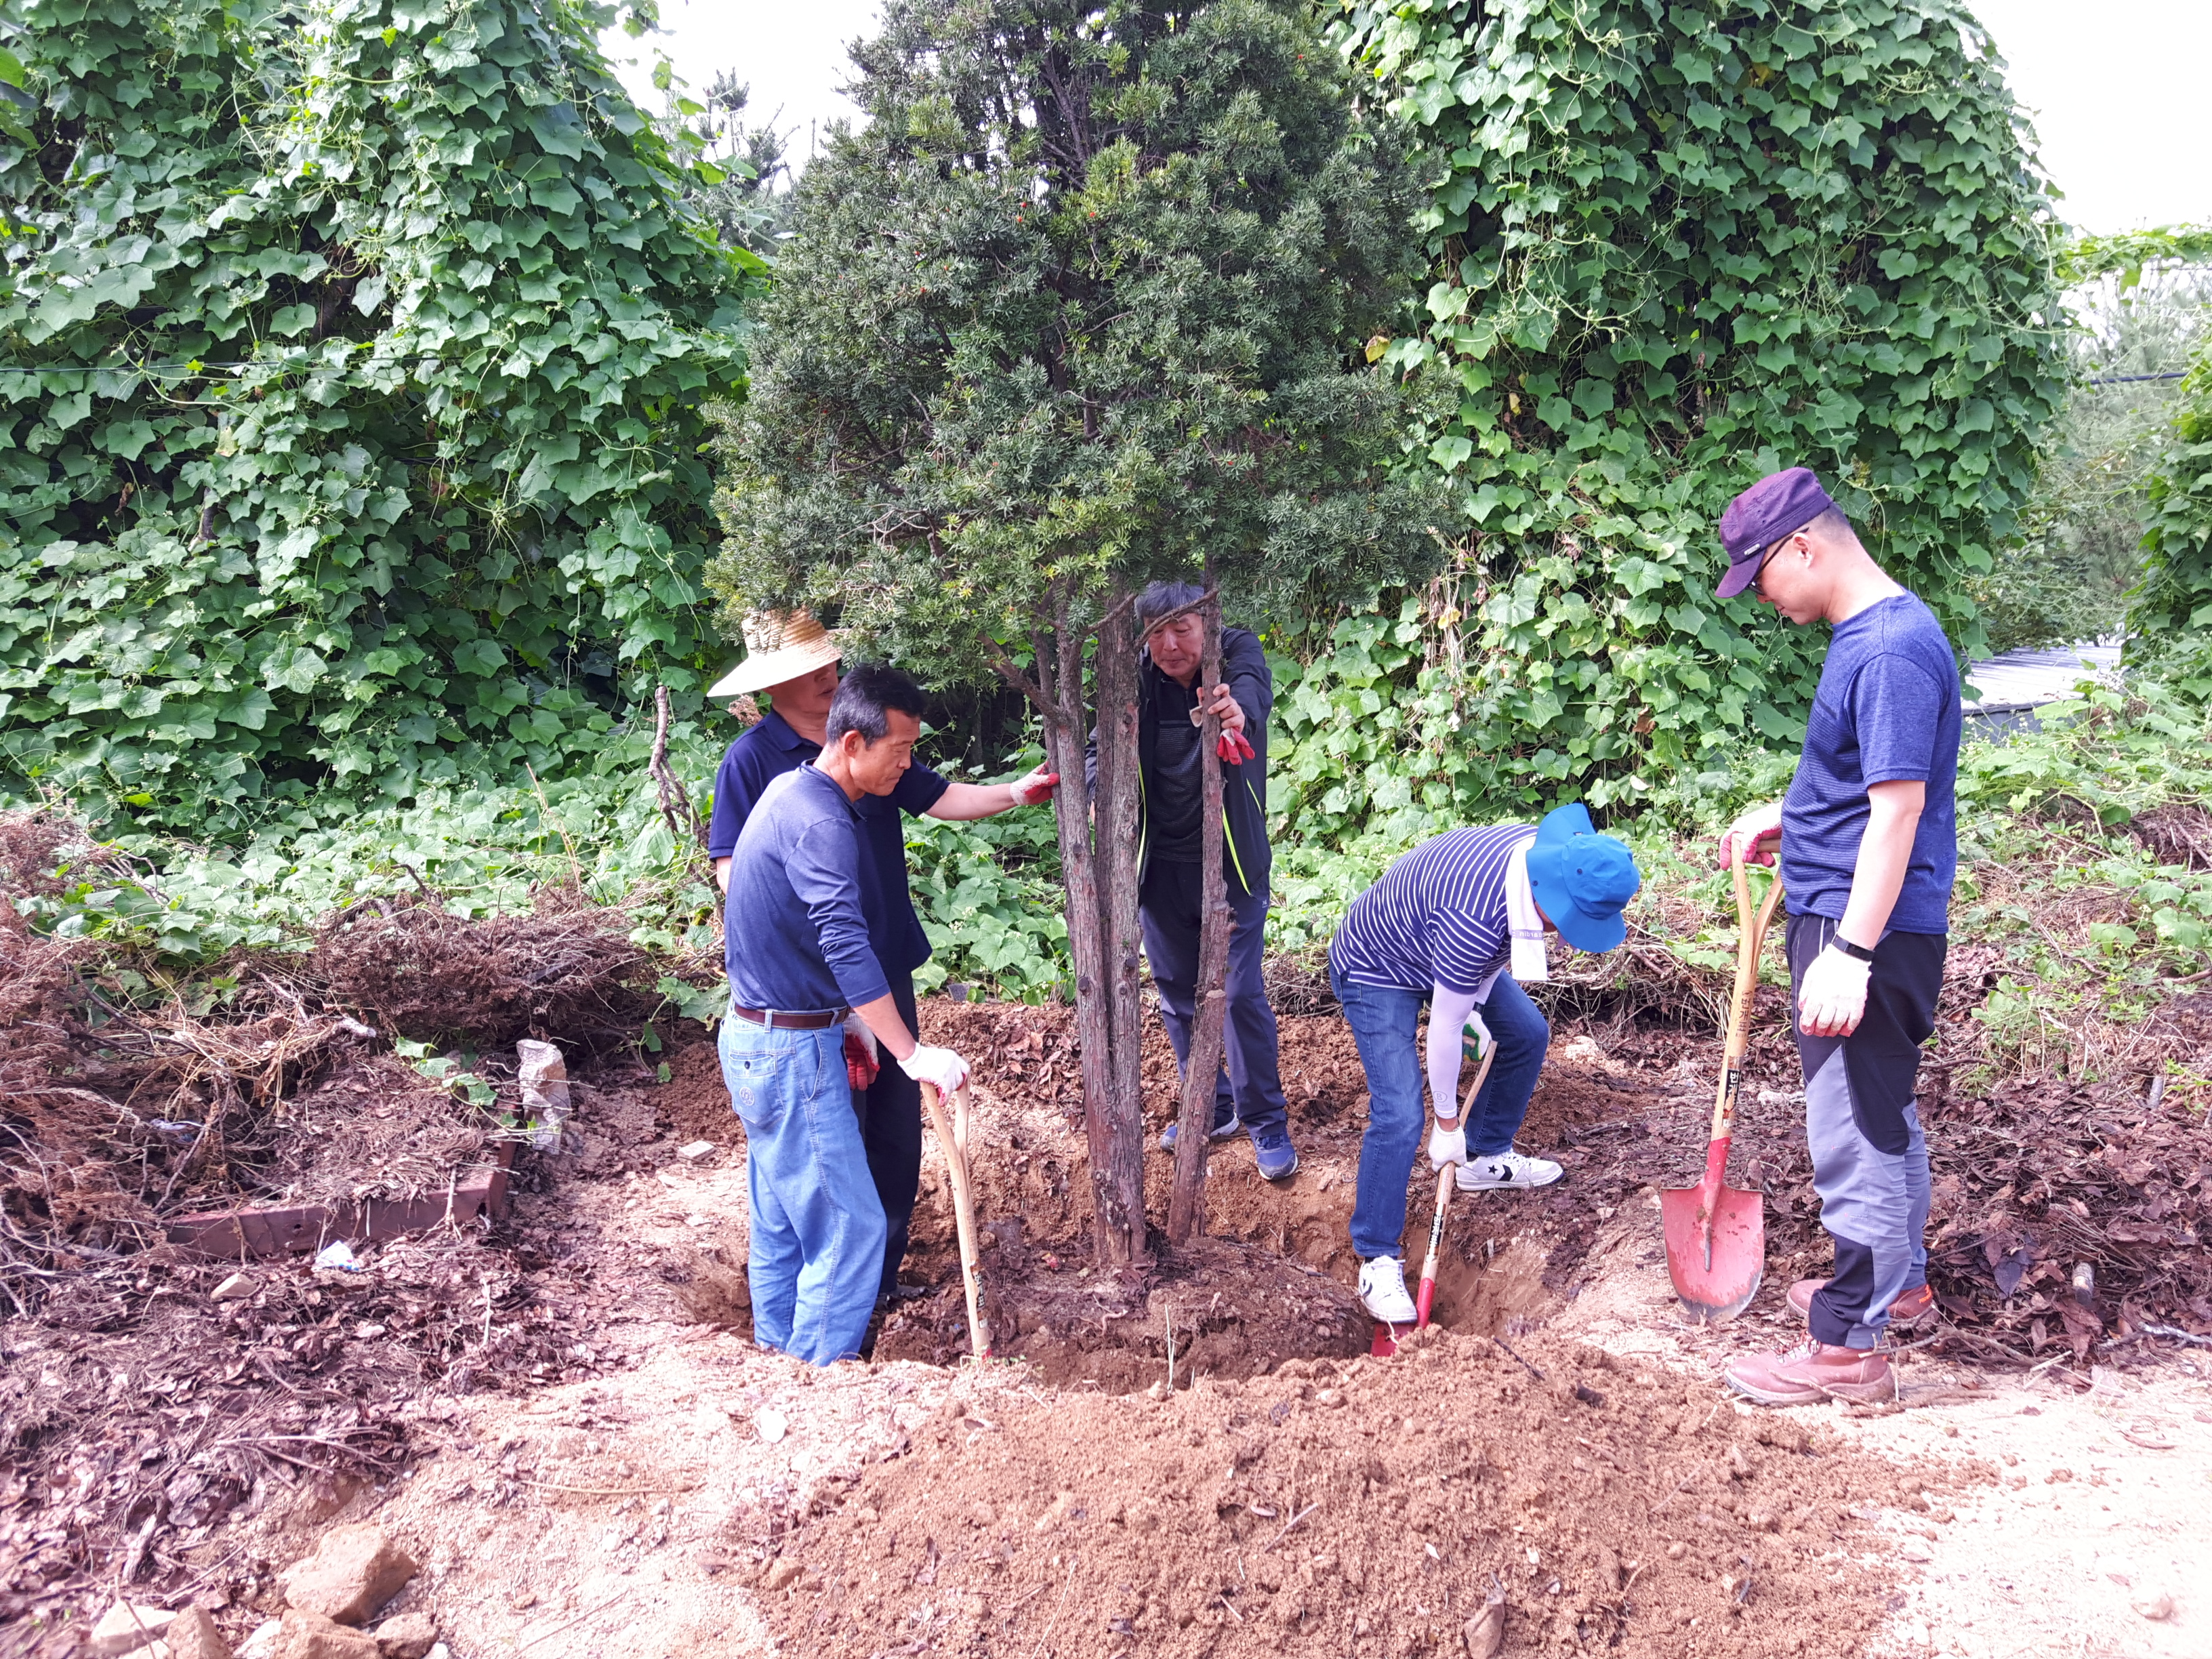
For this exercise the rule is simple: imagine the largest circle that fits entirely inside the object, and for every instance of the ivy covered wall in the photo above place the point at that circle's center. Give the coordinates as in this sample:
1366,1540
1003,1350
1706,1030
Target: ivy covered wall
352,359
1675,247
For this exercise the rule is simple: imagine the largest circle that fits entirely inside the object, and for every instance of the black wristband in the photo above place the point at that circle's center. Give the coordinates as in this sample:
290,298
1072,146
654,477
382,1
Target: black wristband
1856,952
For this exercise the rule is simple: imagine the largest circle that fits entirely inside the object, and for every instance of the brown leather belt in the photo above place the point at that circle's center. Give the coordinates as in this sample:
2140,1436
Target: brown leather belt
777,1020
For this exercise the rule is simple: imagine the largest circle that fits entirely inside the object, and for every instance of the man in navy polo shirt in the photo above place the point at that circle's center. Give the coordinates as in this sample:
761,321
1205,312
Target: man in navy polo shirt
793,661
815,1258
1868,837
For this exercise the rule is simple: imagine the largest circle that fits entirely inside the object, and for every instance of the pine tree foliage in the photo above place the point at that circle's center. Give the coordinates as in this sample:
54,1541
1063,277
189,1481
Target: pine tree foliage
351,363
1081,302
1677,246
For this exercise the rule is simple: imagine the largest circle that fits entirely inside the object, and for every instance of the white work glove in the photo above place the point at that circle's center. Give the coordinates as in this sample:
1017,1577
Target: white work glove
1447,1145
1037,786
1832,998
939,1067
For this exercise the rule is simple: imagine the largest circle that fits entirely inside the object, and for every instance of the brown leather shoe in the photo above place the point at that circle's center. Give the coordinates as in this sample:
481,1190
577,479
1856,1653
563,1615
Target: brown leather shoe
1815,1371
1908,1310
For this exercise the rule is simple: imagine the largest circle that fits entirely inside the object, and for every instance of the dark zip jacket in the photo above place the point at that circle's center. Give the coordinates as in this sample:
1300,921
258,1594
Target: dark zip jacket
1246,861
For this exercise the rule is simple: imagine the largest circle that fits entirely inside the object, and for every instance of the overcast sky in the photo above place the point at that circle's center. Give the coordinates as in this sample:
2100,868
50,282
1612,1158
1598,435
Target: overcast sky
2111,86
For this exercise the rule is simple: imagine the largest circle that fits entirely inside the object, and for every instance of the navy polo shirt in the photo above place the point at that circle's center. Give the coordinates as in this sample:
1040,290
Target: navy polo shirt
765,754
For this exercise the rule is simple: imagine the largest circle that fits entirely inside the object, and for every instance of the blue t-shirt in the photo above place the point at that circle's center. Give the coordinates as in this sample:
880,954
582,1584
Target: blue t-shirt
1886,711
795,900
772,749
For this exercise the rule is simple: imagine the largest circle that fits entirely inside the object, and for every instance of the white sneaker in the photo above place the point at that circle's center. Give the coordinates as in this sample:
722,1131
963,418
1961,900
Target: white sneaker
1382,1290
1485,1172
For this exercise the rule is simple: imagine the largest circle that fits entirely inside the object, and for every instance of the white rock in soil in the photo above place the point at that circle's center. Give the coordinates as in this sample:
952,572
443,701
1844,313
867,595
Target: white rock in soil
236,1288
128,1627
695,1151
2156,1607
1913,1550
772,1423
262,1643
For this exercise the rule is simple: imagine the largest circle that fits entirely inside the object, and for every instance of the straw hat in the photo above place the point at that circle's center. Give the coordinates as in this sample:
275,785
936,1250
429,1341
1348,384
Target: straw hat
779,646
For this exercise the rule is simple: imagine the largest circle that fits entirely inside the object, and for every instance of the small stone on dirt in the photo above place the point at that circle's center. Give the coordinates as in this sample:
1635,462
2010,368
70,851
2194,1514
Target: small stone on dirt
1484,1634
2155,1607
1676,1552
410,1636
353,1571
192,1635
236,1288
772,1423
982,1514
261,1642
1913,1550
126,1628
1329,1397
307,1635
782,1574
692,1152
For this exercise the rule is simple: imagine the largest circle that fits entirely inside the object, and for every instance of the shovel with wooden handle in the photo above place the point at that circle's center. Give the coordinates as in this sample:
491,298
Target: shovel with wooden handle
1447,1178
952,1136
1716,1234
1386,1339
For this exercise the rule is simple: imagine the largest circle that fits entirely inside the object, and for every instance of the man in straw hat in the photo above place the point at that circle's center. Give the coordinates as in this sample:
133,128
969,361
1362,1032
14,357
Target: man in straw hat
1458,924
1868,837
793,661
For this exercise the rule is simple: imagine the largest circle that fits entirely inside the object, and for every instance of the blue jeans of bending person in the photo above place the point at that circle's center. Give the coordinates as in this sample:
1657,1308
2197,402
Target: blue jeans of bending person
1386,1025
816,1255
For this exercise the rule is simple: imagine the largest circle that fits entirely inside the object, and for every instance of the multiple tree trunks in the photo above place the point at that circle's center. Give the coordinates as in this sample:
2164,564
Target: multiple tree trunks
1098,851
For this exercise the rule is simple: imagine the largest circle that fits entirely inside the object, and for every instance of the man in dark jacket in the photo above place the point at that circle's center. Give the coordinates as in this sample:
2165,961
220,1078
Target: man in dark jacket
1249,1093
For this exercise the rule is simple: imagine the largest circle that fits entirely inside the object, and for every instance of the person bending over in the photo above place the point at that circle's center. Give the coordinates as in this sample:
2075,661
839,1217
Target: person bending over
1457,925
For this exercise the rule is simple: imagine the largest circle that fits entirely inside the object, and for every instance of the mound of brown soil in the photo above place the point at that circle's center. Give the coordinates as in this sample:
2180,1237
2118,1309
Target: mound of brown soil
1370,1507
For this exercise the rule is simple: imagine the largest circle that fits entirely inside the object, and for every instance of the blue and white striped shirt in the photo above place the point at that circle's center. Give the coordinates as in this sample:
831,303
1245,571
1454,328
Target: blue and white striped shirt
1437,916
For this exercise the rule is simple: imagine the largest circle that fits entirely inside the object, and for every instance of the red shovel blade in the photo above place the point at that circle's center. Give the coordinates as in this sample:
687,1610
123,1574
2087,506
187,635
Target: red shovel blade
1716,1272
1386,1341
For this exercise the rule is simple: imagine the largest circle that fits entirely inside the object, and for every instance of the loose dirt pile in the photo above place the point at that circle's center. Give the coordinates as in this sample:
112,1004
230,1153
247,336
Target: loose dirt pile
1371,1507
568,972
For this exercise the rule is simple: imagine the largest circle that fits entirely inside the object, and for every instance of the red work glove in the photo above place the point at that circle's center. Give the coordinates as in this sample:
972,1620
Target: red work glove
860,1068
1234,748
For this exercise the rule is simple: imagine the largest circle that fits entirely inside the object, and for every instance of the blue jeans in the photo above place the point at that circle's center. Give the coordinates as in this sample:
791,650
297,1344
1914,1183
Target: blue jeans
816,1256
1385,1024
1168,909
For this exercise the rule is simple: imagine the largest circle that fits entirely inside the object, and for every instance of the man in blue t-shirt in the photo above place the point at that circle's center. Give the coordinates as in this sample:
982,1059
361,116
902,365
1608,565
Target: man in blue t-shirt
1868,837
793,661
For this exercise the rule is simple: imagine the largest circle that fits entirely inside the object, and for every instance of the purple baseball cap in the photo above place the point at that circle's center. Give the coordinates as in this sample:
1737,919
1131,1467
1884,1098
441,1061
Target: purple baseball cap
1778,504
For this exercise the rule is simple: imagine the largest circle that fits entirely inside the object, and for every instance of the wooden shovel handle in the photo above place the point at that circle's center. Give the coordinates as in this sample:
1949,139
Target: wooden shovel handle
1751,937
952,1136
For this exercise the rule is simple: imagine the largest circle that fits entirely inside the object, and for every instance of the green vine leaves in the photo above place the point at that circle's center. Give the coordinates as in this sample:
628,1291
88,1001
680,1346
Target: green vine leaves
1677,247
352,364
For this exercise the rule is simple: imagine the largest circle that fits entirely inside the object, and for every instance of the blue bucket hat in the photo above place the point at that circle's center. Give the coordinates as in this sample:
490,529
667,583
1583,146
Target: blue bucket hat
1580,879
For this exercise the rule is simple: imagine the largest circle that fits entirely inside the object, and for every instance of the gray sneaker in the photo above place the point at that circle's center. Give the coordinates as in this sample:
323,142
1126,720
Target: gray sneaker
1222,1128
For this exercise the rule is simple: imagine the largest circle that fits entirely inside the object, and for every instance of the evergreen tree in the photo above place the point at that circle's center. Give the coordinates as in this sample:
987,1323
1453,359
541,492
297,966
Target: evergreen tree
1082,305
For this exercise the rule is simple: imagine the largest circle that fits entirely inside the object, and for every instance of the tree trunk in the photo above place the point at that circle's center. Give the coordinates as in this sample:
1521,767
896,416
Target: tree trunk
1186,1207
1102,912
1118,1154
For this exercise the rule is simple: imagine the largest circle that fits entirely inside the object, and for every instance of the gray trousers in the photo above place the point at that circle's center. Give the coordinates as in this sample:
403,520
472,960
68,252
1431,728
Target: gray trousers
1869,1157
